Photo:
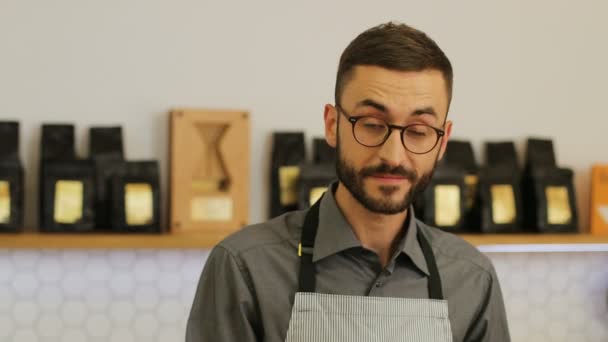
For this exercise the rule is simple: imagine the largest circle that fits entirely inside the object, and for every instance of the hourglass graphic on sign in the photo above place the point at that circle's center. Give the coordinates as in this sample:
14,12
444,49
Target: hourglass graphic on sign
211,175
210,179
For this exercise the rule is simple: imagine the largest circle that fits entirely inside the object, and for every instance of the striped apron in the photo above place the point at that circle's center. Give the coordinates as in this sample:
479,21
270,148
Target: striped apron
317,317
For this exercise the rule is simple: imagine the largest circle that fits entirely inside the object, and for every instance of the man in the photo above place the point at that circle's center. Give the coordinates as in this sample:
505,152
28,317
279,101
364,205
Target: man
358,265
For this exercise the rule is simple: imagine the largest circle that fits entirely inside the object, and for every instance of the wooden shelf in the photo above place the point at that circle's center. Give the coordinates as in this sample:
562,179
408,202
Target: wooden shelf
109,241
526,239
538,243
488,243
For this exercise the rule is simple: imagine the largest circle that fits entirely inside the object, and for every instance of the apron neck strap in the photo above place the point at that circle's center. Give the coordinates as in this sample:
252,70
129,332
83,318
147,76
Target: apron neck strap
434,283
305,249
306,281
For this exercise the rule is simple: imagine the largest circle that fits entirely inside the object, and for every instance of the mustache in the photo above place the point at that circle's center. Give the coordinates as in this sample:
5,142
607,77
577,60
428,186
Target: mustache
388,170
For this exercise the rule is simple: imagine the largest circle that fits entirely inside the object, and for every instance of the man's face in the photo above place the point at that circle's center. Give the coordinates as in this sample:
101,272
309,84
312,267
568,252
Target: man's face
384,179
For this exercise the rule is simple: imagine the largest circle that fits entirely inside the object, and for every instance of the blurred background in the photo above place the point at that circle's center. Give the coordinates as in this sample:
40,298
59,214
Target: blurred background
521,69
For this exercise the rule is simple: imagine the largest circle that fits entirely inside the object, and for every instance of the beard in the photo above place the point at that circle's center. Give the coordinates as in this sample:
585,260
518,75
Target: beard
353,180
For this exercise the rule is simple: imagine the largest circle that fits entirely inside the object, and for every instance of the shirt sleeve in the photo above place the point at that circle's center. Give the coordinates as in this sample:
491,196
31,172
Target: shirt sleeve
224,308
491,322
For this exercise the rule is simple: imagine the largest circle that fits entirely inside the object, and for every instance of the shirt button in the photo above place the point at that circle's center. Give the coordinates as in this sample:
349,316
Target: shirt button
379,284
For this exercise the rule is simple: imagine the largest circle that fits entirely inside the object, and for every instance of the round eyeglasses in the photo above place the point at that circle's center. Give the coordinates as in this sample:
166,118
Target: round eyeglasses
371,131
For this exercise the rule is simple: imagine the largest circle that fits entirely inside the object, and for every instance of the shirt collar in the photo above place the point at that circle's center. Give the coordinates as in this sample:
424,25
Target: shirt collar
335,234
410,246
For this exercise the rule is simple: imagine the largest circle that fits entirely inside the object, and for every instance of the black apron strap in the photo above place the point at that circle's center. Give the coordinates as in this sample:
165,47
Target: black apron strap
435,289
306,280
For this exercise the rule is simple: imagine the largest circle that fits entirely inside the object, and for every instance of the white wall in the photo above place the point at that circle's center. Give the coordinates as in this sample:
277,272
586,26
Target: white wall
521,68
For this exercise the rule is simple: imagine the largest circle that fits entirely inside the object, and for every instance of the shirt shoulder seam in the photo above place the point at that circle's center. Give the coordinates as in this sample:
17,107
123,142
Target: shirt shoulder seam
460,258
468,260
237,253
241,267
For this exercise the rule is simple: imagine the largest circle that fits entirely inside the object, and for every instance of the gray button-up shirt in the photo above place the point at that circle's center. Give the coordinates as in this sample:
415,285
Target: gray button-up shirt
247,287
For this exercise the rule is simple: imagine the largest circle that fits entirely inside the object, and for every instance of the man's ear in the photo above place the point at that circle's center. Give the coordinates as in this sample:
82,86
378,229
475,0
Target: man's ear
331,125
444,140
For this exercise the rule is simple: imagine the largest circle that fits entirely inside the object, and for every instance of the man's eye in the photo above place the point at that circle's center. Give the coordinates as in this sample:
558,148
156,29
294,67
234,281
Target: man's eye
374,126
416,132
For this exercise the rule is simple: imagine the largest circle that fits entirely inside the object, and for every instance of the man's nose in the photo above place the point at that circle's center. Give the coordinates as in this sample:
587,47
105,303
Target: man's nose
392,152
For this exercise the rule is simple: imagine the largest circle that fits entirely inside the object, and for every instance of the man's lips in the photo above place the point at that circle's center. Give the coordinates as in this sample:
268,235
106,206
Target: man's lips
389,178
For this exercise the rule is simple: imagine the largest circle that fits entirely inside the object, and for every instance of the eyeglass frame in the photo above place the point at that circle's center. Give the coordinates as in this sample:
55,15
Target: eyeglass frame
353,120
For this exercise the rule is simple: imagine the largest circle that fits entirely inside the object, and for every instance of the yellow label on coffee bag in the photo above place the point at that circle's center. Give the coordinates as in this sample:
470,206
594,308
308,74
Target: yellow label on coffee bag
558,205
5,202
315,194
68,202
288,182
503,204
139,204
447,205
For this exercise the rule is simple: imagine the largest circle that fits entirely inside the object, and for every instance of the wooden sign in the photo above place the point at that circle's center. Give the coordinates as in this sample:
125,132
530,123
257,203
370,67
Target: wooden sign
209,171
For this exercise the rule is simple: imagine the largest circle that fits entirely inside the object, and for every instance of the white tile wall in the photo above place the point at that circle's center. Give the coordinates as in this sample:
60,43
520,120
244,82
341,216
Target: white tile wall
124,296
555,297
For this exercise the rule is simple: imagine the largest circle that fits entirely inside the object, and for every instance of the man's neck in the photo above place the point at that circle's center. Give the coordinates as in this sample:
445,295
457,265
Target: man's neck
377,232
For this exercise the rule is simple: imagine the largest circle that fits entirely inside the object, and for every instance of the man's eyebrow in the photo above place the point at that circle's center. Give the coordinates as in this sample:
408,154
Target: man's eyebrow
425,110
379,106
372,103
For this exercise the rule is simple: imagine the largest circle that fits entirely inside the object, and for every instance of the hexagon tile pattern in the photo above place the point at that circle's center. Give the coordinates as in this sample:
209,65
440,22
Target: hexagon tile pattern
97,295
145,295
555,297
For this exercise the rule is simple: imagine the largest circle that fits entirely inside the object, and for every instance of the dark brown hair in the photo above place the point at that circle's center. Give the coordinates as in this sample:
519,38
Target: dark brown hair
393,46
